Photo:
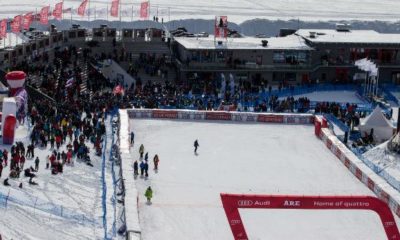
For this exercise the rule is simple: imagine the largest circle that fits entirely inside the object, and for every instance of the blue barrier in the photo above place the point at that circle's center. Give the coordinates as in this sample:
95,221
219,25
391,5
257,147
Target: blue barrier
103,181
337,122
377,169
387,90
48,207
114,231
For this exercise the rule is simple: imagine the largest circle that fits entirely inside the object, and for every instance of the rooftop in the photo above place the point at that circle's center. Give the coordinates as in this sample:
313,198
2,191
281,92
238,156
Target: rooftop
291,42
351,36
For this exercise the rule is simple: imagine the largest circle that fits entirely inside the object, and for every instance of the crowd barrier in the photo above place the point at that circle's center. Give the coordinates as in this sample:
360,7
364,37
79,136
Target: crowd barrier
285,118
133,230
367,176
30,201
104,187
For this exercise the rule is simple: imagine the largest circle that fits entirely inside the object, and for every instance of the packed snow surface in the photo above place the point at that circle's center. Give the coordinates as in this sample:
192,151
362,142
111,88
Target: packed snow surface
236,10
332,96
248,159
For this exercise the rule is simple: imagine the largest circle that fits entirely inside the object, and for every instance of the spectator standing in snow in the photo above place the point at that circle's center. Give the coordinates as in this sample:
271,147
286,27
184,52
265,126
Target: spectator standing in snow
141,150
37,164
196,145
135,168
148,194
132,138
156,160
141,168
146,169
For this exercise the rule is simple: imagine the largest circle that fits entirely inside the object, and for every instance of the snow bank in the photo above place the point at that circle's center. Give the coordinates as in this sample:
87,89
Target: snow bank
379,186
131,195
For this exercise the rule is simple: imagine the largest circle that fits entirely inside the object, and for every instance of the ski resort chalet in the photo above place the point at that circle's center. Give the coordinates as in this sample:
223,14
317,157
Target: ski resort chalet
305,55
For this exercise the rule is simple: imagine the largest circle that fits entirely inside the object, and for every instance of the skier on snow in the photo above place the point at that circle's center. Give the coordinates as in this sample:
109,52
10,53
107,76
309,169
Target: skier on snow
196,145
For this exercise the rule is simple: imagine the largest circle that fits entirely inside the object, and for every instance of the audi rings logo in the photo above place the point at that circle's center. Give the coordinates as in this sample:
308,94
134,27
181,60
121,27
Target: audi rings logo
388,224
235,221
245,203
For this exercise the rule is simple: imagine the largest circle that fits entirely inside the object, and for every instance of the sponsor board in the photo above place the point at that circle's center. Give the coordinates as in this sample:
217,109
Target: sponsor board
347,162
184,115
385,197
269,118
329,144
358,173
371,184
338,152
218,116
244,117
165,114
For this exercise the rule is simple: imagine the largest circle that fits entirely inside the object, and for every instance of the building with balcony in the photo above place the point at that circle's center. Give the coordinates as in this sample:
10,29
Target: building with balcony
307,55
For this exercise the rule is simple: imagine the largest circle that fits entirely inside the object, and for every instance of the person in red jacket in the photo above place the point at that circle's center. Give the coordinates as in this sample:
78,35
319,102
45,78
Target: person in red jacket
58,141
22,161
69,156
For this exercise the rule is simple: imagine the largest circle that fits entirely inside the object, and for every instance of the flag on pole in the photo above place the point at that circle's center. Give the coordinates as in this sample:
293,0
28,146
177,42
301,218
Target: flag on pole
144,10
58,11
27,21
44,15
114,8
67,10
3,28
82,8
16,24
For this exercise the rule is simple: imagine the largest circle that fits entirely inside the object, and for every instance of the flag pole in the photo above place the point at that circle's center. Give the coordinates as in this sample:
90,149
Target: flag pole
107,12
89,12
120,19
62,10
132,14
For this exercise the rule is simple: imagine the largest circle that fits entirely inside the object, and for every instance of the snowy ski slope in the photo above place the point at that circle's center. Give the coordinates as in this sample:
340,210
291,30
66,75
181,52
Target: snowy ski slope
243,158
236,10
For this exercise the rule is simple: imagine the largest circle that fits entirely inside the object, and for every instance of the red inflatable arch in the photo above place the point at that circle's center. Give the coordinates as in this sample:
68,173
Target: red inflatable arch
232,203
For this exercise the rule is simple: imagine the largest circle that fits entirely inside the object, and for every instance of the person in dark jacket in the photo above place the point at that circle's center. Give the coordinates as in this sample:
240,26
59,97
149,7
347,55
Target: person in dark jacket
141,168
146,169
135,168
196,145
132,138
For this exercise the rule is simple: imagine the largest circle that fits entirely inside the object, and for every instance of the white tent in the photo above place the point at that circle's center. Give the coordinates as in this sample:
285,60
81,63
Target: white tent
383,129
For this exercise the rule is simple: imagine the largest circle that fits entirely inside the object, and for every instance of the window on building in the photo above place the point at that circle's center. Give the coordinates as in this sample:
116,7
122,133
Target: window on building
278,57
